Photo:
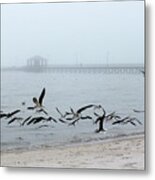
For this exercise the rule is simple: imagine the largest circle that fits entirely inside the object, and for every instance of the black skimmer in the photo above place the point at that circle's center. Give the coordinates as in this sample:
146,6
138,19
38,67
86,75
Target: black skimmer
38,102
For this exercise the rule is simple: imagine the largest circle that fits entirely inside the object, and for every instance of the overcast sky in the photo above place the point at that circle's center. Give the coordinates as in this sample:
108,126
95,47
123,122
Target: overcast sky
98,32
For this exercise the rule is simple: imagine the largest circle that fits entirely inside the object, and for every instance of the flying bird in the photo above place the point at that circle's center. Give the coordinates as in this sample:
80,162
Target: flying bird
14,119
28,118
79,111
42,110
8,115
137,111
100,119
39,102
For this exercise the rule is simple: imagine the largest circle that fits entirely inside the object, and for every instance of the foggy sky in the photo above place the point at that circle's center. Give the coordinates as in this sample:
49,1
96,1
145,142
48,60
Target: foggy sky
98,32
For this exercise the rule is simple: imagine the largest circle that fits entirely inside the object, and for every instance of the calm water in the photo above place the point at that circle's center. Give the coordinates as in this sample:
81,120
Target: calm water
115,92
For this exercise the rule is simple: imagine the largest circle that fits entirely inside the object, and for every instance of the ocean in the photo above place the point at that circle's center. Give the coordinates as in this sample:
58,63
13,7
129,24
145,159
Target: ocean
120,93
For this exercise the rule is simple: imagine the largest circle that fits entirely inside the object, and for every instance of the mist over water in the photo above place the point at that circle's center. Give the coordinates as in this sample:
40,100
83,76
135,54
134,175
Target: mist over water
73,33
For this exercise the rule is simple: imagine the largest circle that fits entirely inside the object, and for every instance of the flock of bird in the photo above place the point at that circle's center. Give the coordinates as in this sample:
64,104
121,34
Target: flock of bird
71,117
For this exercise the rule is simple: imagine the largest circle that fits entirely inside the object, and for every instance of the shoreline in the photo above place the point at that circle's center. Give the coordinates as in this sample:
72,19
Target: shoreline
117,153
71,143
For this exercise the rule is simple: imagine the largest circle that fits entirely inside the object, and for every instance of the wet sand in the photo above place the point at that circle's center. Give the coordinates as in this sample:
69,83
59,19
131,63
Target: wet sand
120,153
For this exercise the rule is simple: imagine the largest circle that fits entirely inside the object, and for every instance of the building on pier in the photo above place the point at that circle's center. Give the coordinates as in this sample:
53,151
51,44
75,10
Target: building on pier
36,63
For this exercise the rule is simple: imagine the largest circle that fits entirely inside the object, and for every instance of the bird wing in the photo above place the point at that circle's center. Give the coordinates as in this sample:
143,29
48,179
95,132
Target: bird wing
137,111
2,115
97,120
132,123
73,123
117,122
86,117
31,121
42,110
54,119
84,108
31,108
14,112
12,120
72,111
62,120
26,120
59,111
38,120
41,97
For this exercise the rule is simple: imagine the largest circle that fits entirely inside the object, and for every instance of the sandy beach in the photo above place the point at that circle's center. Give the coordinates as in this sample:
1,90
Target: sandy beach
120,153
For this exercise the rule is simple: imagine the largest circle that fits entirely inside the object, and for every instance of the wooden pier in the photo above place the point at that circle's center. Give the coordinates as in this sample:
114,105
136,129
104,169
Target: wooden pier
38,64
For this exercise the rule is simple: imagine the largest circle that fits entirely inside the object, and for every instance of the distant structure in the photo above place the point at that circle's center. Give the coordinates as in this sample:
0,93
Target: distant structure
36,64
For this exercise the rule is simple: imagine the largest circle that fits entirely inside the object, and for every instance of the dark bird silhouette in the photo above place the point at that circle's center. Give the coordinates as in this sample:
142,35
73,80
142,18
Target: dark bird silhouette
42,110
84,108
63,115
138,111
28,118
118,122
123,121
136,120
2,115
14,119
73,122
127,120
42,95
62,121
100,119
79,111
31,108
112,116
86,117
39,119
51,118
39,102
35,120
12,113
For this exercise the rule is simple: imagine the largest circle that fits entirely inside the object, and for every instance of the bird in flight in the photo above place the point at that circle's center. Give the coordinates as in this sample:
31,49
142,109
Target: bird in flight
38,102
